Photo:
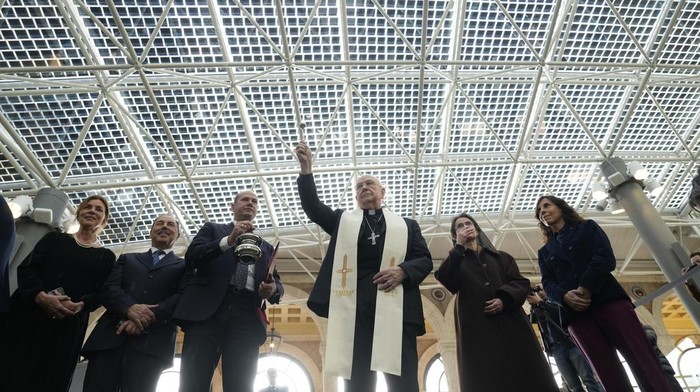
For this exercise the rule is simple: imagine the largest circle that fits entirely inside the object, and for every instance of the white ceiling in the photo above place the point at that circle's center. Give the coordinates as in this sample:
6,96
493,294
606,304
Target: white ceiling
478,106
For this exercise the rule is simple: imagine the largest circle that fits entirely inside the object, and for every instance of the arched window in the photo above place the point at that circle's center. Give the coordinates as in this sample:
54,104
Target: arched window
170,378
435,380
289,373
685,359
381,384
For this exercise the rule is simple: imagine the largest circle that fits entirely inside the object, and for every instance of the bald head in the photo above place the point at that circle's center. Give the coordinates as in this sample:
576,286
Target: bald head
245,206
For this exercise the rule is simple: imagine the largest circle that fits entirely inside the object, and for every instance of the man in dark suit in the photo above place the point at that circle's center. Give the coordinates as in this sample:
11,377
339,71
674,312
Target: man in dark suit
134,341
221,311
370,281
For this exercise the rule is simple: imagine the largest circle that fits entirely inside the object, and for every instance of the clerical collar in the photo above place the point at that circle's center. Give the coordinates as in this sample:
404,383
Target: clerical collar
374,212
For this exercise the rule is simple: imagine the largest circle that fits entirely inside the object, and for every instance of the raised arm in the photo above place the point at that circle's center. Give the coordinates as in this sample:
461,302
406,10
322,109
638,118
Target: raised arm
318,212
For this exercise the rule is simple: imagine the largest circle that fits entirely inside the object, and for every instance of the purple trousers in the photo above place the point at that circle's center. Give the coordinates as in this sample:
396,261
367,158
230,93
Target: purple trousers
615,326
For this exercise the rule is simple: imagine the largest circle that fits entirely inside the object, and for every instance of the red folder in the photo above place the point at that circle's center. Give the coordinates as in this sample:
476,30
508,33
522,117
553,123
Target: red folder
271,264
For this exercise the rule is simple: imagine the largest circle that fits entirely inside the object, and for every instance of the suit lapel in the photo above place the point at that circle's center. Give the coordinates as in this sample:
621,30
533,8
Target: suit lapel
169,259
146,259
261,265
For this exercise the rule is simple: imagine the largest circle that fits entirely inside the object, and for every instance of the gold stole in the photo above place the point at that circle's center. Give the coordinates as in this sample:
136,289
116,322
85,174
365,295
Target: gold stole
388,323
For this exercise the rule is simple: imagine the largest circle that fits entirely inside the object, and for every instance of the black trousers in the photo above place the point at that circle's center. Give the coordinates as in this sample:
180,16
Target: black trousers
362,378
234,334
40,354
122,369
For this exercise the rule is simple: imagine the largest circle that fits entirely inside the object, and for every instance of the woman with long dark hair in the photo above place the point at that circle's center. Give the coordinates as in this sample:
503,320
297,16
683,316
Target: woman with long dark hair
576,264
58,287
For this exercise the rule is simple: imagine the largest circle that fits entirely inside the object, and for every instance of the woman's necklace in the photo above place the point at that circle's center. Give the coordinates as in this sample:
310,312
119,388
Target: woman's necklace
374,235
94,244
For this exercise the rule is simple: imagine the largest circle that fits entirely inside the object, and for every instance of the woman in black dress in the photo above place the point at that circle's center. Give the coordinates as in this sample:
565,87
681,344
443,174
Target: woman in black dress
58,287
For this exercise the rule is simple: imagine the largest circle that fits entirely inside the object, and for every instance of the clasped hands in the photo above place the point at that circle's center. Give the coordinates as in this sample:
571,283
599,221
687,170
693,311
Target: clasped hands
578,299
139,317
388,279
58,306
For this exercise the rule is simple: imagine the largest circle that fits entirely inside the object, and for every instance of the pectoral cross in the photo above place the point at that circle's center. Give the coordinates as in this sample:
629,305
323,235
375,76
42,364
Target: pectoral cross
374,237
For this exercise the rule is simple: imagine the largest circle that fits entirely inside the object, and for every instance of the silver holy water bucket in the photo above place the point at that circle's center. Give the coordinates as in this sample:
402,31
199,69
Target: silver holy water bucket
247,248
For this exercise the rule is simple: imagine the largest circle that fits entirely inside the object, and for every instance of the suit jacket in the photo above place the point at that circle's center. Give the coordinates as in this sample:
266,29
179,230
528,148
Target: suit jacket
580,256
213,272
417,265
134,280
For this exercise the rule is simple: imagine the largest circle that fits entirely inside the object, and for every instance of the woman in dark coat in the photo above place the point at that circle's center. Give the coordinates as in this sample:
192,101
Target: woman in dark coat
576,263
496,346
57,289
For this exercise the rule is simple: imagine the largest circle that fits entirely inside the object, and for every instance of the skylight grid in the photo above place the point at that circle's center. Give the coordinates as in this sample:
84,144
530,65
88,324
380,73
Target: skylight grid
498,113
128,202
489,36
440,49
217,196
190,114
335,189
434,95
245,40
650,134
396,105
283,193
380,131
317,104
641,17
138,22
596,105
470,134
229,145
105,150
35,36
597,36
675,101
562,136
474,189
274,125
10,178
321,42
679,198
408,17
49,125
533,18
188,35
502,105
558,130
684,40
372,38
556,183
401,191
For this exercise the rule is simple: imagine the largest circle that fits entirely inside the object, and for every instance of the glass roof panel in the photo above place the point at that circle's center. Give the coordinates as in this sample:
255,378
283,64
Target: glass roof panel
478,105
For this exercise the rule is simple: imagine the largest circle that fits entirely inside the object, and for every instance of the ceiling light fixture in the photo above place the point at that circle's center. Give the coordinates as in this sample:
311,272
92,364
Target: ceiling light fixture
615,207
637,170
20,205
598,191
601,205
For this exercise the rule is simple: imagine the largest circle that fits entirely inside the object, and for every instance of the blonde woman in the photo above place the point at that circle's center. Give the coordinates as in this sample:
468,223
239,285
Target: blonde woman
58,286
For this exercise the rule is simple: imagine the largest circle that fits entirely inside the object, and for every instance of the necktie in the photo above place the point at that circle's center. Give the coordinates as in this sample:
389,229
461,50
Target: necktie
156,256
240,276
